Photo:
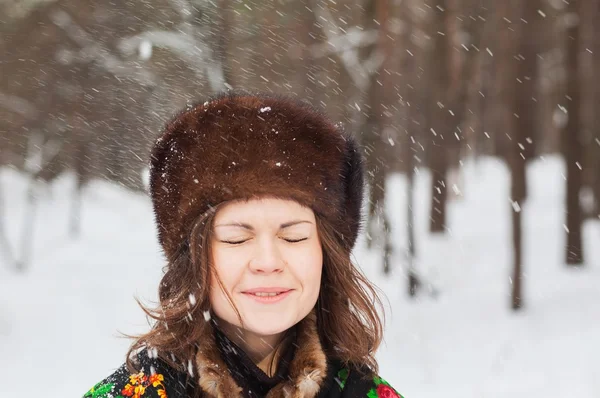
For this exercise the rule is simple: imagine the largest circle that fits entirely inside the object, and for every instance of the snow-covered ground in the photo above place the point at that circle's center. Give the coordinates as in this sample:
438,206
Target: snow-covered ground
60,320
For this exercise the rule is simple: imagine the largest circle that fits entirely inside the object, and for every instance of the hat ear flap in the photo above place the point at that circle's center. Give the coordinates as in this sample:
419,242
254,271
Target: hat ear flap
354,184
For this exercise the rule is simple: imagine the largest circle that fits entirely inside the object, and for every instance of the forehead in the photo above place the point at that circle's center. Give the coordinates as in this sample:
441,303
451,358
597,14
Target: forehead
263,210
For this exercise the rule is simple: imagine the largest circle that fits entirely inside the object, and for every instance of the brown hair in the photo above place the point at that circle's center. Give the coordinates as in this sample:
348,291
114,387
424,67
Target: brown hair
348,323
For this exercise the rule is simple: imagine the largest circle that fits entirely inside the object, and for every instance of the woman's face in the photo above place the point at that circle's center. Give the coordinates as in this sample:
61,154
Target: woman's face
268,256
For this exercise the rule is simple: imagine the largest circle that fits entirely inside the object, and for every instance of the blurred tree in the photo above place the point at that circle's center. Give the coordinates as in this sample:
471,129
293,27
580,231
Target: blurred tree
525,127
6,251
512,68
377,132
413,131
442,122
367,59
595,101
457,32
589,33
417,82
572,134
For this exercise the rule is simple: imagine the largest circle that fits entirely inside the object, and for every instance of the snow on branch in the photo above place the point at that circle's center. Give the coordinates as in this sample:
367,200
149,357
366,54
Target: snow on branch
18,105
353,38
175,41
195,53
348,57
183,7
186,42
374,62
94,51
346,46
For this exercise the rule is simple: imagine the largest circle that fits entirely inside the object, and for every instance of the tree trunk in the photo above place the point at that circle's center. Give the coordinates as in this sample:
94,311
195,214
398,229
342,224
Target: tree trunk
571,141
408,64
27,234
413,279
595,125
509,68
221,24
5,248
442,123
517,275
378,215
124,153
376,16
81,149
525,129
439,191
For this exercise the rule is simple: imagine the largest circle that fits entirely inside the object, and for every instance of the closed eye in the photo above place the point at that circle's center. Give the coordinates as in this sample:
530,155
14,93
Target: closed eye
234,242
239,242
295,240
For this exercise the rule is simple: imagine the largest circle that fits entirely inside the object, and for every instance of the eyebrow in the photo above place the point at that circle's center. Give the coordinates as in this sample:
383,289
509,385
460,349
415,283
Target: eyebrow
250,228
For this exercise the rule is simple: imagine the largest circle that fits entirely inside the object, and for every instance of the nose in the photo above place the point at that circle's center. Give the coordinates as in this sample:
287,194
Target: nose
266,258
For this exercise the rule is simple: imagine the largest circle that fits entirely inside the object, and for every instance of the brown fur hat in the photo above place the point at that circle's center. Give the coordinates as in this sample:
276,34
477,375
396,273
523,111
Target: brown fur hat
242,146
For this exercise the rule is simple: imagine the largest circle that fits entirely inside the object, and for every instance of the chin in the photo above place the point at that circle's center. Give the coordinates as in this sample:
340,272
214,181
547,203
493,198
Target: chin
268,325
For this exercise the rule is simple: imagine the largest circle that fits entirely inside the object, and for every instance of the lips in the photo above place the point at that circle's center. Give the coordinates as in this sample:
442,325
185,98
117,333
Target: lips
267,294
267,290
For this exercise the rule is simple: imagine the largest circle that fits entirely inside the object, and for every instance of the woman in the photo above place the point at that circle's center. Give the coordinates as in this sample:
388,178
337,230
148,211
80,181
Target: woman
257,201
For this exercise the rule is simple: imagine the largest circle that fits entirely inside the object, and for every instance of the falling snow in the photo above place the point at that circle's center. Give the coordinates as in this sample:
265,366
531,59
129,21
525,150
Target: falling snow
87,89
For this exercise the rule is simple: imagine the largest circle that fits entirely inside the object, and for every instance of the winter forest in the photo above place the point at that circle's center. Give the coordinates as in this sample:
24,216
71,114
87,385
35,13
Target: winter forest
479,120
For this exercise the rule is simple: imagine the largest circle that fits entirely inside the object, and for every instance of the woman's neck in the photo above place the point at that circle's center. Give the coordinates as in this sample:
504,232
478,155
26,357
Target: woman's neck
263,350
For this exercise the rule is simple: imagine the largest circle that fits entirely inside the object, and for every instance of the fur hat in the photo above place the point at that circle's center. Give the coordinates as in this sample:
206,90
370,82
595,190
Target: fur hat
243,146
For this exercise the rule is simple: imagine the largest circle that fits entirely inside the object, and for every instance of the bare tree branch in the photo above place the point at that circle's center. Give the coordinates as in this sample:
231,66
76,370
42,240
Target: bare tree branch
18,105
94,51
186,43
353,38
349,56
182,44
183,8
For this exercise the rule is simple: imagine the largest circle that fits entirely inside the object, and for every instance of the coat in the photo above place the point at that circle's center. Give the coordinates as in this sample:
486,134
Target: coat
219,371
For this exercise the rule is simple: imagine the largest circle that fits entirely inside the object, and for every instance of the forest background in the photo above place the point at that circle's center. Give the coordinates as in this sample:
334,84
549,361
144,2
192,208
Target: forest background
436,88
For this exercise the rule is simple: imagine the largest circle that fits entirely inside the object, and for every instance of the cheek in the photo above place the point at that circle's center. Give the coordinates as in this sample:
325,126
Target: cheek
224,267
309,268
229,266
219,302
312,284
216,294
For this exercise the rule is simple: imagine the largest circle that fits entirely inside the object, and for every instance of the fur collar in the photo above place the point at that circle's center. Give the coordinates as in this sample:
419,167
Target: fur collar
307,370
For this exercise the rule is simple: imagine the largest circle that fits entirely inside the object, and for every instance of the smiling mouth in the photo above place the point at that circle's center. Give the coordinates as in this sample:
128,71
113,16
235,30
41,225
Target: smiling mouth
264,294
267,293
268,296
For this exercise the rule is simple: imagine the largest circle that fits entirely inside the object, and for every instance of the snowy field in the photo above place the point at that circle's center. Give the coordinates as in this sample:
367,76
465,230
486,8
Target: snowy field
60,321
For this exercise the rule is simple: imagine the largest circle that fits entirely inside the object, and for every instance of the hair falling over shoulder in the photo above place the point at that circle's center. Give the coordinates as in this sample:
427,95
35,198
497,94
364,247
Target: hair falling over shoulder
350,326
180,319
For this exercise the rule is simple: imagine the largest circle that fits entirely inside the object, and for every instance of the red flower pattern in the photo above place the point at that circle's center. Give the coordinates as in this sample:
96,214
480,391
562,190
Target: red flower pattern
384,391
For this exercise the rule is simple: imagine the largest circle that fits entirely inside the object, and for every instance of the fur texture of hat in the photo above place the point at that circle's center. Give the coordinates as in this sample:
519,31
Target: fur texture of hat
244,146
